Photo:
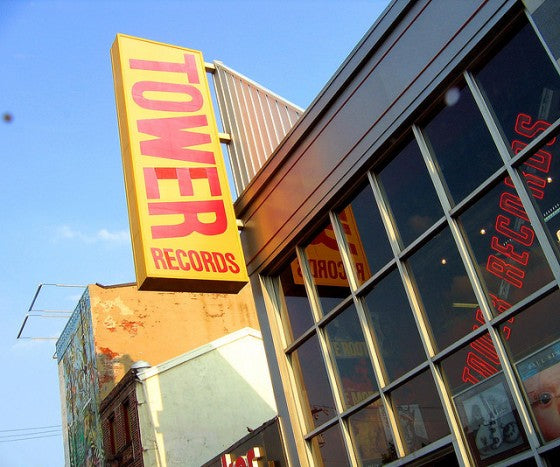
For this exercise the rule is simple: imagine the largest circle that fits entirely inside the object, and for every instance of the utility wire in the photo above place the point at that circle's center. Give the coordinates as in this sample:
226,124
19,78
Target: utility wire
30,437
33,433
31,429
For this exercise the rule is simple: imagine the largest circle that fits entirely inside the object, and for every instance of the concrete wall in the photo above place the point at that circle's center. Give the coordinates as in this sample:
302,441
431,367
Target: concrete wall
131,325
197,405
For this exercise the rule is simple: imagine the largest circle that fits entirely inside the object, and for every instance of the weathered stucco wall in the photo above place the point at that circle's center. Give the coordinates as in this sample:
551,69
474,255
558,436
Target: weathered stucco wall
131,325
200,403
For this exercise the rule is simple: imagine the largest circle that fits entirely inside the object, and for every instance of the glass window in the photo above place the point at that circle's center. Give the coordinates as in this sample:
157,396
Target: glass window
445,290
490,421
328,448
461,142
541,175
371,435
351,357
419,412
503,241
532,339
296,312
365,235
309,370
392,322
327,270
410,193
532,87
546,14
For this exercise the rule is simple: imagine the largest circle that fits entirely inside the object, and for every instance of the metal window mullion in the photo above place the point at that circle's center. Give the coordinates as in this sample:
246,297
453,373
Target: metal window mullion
324,349
450,413
530,209
421,324
516,393
527,200
537,32
369,336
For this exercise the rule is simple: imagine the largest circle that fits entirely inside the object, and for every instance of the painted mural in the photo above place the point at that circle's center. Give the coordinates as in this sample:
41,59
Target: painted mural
76,354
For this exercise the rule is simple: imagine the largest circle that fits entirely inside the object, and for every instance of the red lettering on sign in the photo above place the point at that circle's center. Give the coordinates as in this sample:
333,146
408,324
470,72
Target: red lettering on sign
173,141
509,250
190,210
184,177
193,104
188,67
208,261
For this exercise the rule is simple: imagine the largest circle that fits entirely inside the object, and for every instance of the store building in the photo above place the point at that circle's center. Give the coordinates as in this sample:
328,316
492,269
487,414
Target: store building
402,245
186,410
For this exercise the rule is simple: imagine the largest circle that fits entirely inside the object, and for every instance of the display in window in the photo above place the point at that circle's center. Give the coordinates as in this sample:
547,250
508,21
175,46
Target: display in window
540,374
490,421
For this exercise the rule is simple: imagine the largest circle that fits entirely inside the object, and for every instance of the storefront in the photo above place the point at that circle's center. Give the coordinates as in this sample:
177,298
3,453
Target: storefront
402,244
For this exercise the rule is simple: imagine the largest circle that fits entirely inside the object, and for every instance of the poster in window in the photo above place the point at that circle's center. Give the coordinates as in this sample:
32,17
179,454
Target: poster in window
490,421
540,374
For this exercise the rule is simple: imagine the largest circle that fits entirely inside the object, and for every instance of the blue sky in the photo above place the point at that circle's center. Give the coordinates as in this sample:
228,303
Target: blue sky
64,217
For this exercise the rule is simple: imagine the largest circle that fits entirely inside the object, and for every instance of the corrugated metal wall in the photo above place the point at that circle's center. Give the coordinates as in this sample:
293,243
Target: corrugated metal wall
255,118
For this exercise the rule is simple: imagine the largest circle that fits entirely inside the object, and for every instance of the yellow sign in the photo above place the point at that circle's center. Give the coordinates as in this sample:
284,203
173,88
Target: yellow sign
183,226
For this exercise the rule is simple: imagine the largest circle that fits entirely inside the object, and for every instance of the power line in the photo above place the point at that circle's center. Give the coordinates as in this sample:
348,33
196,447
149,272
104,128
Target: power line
30,437
31,429
56,431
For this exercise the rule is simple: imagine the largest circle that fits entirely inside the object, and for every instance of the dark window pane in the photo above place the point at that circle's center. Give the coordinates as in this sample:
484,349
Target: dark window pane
509,256
327,270
533,85
328,448
534,328
296,314
419,411
546,14
352,362
410,193
461,142
309,370
371,435
365,235
490,421
392,322
444,288
445,457
541,174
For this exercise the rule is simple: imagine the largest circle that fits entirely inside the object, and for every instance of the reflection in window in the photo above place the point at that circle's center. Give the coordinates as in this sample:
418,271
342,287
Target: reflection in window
371,436
296,315
461,143
328,448
309,371
365,235
503,241
419,411
533,84
352,362
490,421
410,193
392,322
446,293
327,269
